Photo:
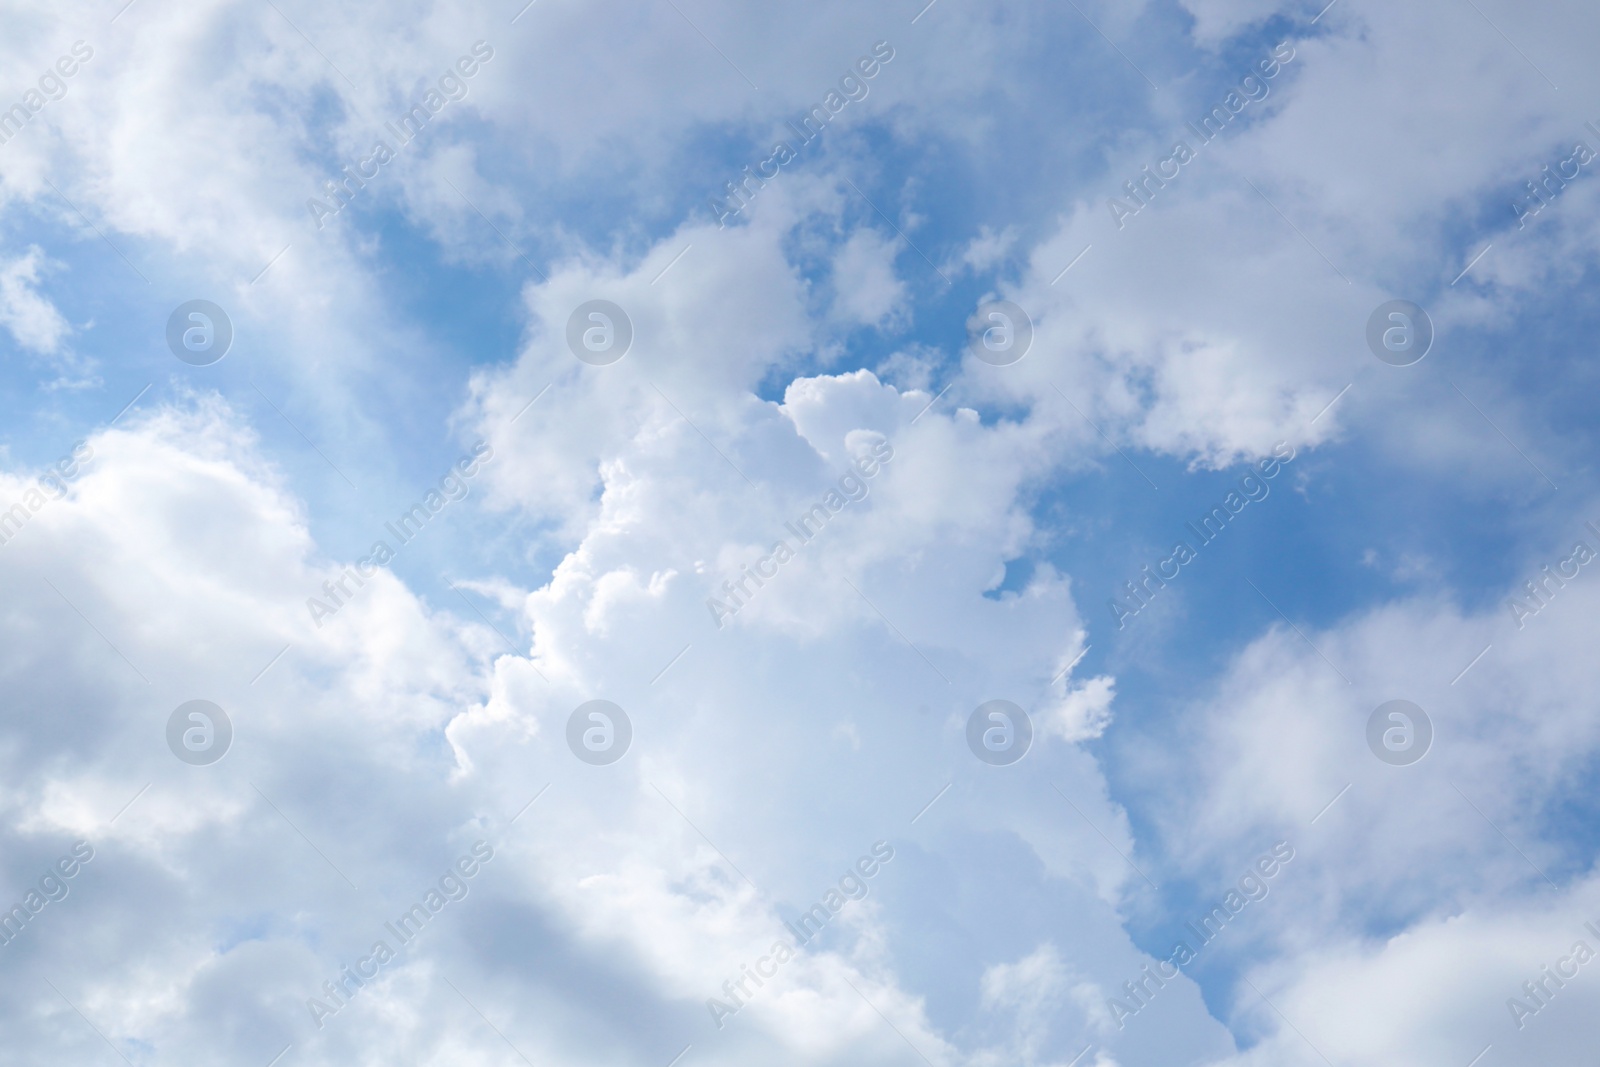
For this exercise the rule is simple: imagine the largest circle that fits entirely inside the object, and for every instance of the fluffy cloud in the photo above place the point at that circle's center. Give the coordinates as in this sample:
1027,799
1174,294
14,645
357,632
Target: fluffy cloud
32,319
629,504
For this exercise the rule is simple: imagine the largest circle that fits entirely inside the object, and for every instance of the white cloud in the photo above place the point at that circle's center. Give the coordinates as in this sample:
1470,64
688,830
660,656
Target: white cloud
33,321
866,290
825,714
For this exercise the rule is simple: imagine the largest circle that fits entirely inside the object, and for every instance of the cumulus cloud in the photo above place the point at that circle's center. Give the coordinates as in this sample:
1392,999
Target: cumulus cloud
798,378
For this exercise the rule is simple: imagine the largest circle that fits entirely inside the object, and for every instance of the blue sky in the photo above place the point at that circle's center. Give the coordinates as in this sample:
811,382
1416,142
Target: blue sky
828,321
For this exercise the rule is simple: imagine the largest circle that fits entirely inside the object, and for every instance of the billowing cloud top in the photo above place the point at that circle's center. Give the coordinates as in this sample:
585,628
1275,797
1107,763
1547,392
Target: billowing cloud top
806,534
